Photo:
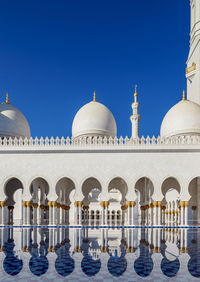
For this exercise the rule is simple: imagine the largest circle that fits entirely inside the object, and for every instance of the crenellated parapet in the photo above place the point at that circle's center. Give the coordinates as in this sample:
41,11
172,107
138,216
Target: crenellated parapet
99,141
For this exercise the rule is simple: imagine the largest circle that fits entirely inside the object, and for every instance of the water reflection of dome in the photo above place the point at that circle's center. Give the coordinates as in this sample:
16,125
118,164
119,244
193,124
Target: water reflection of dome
89,266
194,266
38,265
11,264
117,265
170,268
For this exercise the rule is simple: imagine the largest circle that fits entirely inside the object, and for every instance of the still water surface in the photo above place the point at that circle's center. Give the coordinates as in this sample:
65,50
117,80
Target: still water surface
96,254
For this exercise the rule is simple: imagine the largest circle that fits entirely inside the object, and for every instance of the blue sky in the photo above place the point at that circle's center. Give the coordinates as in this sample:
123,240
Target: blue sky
55,53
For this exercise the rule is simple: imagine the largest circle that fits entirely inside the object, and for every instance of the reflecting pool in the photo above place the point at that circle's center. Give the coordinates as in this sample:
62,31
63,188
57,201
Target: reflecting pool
82,254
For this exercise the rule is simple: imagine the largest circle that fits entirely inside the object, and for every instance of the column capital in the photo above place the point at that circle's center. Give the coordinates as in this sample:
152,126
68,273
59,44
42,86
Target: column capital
104,204
28,203
78,203
54,204
124,207
184,204
133,204
35,205
50,204
23,203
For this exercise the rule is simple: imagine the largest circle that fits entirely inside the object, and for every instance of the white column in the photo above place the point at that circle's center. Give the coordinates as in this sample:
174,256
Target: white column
42,214
80,213
159,205
154,214
133,212
63,214
24,213
103,216
129,212
38,214
106,215
182,212
186,213
28,207
35,206
50,213
67,219
58,214
76,212
54,204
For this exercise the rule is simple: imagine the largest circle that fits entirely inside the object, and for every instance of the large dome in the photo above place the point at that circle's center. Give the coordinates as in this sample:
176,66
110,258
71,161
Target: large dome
94,119
12,122
182,119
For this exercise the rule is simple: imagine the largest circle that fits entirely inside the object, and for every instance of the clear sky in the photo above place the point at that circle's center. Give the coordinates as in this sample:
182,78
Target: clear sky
55,53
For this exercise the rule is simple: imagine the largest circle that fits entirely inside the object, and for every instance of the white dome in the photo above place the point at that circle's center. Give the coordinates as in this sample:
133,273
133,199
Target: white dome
183,118
12,122
94,119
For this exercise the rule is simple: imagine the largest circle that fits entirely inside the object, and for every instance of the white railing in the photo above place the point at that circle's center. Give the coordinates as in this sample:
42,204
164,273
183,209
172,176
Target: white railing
100,141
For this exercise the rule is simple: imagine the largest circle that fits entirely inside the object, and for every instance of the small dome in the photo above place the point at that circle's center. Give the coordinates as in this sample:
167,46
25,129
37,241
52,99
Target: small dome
182,119
94,119
12,122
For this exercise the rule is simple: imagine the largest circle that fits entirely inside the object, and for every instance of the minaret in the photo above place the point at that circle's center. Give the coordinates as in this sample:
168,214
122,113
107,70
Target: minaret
135,118
193,62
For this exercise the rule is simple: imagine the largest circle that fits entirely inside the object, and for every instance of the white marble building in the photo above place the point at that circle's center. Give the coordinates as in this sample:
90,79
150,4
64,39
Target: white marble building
96,178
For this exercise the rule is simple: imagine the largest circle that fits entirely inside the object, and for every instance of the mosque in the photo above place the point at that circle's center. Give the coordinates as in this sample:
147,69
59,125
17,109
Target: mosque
98,179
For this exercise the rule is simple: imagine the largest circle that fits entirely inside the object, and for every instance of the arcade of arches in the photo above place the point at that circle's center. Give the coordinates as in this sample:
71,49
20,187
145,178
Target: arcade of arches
117,210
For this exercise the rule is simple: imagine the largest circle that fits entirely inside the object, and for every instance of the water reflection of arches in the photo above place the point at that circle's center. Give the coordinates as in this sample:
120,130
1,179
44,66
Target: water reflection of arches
194,252
89,265
64,263
117,265
144,264
11,264
170,268
38,263
97,248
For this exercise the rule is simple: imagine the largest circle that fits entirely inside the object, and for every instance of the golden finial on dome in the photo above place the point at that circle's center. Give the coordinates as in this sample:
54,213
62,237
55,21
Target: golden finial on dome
94,97
7,99
183,96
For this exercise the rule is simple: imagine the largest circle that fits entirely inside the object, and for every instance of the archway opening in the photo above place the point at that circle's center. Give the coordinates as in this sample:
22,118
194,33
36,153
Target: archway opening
65,189
144,189
91,190
117,190
13,204
171,191
39,189
194,211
